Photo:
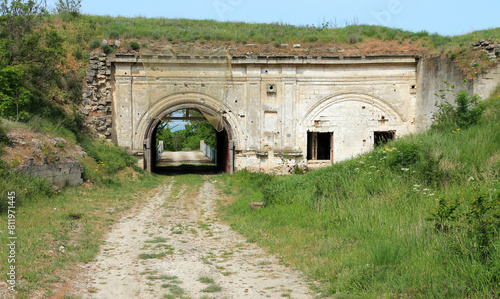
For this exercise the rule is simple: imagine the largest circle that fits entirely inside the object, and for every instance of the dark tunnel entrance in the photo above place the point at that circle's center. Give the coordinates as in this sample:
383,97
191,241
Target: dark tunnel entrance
214,157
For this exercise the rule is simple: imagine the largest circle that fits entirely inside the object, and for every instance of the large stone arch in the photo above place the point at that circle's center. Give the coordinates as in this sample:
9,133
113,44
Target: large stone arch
169,104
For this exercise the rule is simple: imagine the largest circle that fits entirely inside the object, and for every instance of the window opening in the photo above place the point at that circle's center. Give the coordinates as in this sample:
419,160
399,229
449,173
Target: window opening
319,145
383,137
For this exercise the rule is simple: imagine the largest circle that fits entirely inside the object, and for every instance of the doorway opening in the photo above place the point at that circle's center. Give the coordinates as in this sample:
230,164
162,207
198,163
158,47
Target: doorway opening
184,141
320,146
383,137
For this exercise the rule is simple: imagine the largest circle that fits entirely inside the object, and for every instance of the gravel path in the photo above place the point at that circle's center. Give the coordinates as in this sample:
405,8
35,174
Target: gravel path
174,247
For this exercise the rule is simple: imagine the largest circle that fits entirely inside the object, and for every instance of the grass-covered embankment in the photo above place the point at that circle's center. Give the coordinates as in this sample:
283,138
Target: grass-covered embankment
419,217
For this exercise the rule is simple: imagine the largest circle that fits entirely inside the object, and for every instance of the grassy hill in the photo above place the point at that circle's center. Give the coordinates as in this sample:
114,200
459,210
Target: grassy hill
84,34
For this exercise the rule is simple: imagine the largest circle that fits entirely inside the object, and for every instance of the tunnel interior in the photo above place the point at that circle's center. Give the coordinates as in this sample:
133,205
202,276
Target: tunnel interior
179,160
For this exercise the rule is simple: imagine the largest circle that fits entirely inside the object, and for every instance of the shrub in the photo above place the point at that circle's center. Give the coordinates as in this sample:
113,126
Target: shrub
464,113
106,49
94,44
4,139
113,34
277,44
312,38
353,38
472,219
135,46
71,7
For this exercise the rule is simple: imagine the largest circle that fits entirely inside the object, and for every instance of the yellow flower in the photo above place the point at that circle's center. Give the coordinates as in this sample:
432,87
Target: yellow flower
458,129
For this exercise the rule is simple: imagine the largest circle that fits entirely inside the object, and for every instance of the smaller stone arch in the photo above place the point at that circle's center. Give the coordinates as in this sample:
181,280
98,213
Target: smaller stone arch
351,131
337,98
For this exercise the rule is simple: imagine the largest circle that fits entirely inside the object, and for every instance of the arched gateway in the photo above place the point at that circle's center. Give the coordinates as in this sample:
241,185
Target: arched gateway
208,106
277,112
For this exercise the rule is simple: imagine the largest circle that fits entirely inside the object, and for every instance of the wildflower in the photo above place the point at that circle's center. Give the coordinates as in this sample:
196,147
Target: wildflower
405,169
458,129
388,149
417,186
432,194
470,179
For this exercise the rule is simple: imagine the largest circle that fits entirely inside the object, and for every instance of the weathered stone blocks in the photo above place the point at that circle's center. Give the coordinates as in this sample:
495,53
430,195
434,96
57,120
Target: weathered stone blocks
60,174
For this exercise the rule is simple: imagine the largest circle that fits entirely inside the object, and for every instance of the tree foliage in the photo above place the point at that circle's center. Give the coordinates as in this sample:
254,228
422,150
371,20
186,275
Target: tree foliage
14,97
189,137
71,7
31,62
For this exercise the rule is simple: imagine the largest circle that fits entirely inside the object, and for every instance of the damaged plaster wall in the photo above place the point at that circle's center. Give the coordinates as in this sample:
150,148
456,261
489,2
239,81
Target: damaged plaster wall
272,104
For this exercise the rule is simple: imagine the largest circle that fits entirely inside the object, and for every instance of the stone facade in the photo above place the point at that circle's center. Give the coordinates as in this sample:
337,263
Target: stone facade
278,111
60,174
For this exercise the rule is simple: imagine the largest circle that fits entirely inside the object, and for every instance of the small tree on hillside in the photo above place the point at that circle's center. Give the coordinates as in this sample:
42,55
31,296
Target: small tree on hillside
71,7
466,110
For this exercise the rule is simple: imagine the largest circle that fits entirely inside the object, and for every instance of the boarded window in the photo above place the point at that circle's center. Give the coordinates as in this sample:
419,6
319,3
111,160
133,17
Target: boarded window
383,137
319,146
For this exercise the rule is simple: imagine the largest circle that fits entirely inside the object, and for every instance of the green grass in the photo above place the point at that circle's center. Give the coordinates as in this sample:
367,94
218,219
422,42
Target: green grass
213,288
417,218
184,30
83,34
206,279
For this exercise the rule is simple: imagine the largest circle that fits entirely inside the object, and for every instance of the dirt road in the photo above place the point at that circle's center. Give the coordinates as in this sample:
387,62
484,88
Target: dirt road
174,247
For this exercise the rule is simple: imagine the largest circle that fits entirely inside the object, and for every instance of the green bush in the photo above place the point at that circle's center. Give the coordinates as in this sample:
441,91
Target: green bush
353,38
94,44
106,49
4,139
113,34
135,46
463,114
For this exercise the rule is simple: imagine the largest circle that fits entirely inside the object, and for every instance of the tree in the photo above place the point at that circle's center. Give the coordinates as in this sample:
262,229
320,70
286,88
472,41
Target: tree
71,7
18,20
14,98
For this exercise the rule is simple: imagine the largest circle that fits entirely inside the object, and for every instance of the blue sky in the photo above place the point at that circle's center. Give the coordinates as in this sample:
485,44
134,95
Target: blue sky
442,16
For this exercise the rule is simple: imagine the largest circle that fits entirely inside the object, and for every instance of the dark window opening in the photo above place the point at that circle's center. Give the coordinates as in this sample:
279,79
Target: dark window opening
383,137
319,146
